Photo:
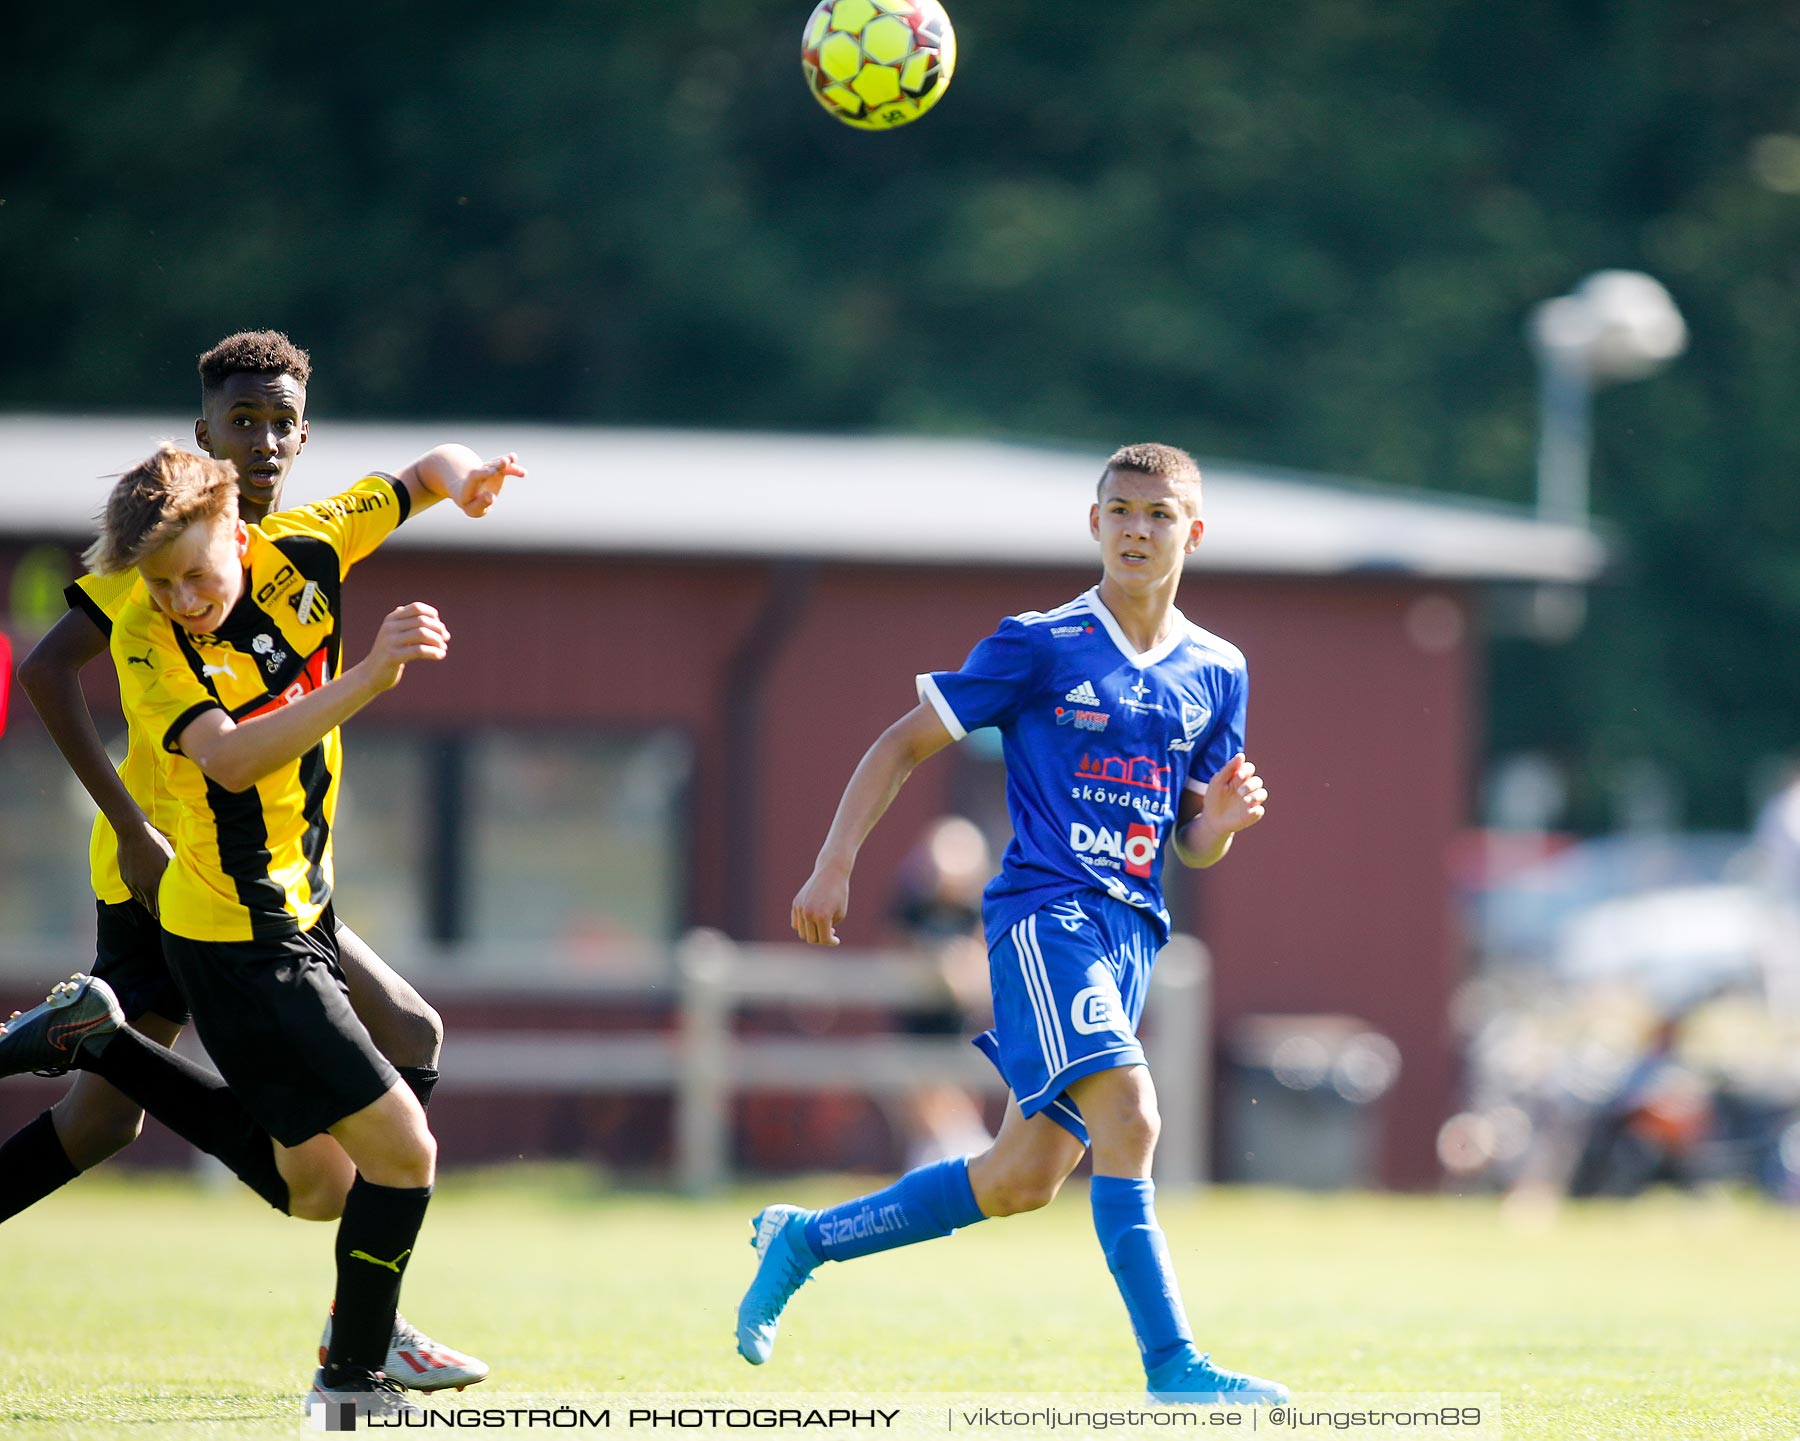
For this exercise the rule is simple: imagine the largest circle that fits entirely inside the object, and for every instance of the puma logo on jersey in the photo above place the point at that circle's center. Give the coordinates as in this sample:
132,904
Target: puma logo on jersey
143,660
212,670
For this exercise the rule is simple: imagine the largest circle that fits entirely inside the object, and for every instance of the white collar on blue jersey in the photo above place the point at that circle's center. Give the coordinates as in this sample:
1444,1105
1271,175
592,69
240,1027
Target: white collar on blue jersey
1141,659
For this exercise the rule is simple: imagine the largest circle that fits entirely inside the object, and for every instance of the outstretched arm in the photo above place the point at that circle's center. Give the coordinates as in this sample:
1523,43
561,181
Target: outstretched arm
51,676
456,473
239,754
825,898
1234,801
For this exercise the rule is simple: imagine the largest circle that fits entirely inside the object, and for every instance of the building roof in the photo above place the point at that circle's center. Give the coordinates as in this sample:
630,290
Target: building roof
620,491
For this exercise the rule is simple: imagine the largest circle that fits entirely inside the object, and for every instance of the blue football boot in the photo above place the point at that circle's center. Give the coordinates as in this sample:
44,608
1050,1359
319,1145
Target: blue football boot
1191,1380
784,1264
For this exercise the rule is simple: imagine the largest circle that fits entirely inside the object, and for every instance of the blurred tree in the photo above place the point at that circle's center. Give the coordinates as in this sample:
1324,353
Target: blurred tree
1304,234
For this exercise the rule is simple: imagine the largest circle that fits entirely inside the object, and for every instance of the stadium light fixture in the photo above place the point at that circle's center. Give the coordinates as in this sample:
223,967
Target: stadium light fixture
1616,325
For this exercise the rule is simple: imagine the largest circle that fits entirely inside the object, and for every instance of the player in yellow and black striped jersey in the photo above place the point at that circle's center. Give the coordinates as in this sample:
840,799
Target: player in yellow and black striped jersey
253,415
254,862
242,696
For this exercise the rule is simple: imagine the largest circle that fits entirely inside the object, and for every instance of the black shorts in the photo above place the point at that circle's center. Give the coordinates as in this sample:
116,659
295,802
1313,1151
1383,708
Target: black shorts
275,1017
128,956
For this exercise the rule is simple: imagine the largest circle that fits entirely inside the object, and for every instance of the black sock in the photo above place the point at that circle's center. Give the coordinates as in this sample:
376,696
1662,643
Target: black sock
374,1243
32,1165
193,1103
421,1079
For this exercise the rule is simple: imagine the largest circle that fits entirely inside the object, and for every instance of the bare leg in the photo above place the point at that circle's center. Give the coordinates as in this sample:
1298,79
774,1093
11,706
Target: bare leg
318,1175
1119,1107
1026,1165
400,1021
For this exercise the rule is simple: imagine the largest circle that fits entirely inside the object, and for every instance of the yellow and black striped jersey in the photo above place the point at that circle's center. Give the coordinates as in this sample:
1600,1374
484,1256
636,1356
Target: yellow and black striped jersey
257,863
99,598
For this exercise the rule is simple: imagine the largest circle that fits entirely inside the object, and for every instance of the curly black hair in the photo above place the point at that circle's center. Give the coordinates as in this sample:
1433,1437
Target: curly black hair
254,352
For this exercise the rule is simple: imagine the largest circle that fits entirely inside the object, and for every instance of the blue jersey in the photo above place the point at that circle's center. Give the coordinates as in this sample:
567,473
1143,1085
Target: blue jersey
1100,741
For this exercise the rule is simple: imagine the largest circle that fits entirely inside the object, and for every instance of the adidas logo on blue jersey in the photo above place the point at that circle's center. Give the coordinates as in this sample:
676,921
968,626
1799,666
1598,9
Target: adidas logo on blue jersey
1083,694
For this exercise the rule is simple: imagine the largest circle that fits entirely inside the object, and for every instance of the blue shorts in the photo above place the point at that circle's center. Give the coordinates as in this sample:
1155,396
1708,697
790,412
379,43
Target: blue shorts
1069,983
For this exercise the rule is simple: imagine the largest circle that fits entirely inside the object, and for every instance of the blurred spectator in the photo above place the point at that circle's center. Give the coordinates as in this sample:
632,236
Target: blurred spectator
1652,1128
1776,848
938,908
1615,1122
1602,1092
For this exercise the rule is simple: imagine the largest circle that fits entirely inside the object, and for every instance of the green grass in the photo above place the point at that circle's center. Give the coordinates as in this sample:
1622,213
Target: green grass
149,1309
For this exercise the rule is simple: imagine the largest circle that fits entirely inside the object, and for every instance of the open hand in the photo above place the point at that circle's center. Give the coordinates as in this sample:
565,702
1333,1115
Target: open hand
478,490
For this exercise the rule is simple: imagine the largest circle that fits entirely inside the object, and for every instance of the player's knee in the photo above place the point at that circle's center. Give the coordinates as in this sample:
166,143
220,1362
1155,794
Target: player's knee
431,1035
317,1175
318,1201
91,1131
418,1037
1122,1113
1014,1198
1019,1188
1143,1126
417,1159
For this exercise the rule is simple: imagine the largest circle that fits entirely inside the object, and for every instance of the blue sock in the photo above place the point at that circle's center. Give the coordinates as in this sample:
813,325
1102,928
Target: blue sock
1138,1256
922,1205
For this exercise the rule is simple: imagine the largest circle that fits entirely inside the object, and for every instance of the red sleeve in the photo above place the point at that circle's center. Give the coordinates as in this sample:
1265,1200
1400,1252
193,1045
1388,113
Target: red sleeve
5,677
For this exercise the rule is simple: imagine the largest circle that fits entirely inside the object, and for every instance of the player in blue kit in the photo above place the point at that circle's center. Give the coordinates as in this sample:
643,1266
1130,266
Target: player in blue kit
1123,732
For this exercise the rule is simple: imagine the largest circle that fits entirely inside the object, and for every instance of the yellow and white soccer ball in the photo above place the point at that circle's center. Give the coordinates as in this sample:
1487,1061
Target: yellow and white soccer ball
876,64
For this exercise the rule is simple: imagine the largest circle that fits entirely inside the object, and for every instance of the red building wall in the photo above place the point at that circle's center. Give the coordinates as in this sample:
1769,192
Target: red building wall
1361,716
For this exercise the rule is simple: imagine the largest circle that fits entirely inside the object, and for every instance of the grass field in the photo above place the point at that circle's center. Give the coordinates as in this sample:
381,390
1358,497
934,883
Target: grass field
152,1309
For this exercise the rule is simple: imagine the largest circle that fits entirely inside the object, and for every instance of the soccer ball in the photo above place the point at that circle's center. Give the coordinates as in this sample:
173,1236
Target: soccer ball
876,64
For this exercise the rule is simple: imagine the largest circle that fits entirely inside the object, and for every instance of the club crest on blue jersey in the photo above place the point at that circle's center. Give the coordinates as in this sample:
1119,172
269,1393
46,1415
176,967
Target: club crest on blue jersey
1194,717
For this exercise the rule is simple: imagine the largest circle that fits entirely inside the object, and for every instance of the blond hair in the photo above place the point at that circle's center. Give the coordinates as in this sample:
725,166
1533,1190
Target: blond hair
1165,462
155,501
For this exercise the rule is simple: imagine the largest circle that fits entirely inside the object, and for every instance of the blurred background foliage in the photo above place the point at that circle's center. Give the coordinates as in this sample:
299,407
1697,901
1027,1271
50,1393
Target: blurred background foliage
1304,235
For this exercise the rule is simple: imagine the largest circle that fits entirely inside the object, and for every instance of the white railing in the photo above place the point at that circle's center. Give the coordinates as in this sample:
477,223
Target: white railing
704,1062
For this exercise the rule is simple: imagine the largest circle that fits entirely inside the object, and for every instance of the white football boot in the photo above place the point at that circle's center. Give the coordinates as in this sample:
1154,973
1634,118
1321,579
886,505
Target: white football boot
418,1363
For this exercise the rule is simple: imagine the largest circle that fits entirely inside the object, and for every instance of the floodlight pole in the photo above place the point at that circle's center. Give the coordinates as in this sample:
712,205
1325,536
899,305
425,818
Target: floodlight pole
1565,435
1615,325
